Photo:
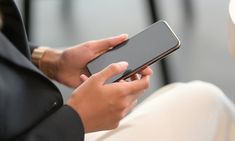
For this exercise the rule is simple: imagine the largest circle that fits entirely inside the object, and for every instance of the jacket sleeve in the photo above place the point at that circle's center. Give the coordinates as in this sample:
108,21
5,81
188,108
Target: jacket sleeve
64,125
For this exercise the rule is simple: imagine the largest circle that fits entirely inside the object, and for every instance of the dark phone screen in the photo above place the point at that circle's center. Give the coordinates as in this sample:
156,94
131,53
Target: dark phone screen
138,50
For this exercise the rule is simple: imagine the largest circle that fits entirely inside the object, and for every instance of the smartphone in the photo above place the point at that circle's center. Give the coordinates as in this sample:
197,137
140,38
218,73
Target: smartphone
149,46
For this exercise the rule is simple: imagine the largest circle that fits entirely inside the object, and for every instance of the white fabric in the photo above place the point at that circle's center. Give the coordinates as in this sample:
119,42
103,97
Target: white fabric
195,111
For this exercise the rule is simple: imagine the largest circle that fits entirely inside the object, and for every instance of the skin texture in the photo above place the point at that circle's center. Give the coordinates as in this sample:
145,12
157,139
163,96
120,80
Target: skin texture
101,106
66,66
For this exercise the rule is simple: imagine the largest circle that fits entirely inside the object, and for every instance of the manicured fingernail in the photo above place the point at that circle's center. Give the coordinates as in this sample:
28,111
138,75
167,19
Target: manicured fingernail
124,36
123,64
83,77
122,81
148,78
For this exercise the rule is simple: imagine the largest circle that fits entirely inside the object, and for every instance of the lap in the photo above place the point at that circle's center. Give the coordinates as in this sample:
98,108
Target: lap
181,111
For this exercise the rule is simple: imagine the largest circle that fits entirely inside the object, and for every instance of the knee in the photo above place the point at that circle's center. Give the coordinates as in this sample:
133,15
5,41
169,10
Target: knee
205,93
195,95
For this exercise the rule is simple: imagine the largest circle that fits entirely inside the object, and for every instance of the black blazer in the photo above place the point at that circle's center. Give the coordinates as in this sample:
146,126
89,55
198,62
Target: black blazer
31,106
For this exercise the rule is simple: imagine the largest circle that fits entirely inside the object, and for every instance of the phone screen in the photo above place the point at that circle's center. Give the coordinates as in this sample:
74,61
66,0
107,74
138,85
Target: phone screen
143,49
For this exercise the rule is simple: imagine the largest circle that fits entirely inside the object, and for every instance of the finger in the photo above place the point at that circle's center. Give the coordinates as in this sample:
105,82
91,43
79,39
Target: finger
136,86
146,71
83,77
86,72
130,107
134,97
134,77
112,70
101,46
121,81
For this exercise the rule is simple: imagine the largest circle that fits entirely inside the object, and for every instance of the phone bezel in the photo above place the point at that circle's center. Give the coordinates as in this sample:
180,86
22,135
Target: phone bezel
158,58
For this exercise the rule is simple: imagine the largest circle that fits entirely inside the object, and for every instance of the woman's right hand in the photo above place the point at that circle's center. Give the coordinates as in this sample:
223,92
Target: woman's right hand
101,106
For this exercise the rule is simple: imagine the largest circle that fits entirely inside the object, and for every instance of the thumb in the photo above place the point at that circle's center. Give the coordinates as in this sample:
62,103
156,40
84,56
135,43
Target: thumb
103,45
83,77
112,70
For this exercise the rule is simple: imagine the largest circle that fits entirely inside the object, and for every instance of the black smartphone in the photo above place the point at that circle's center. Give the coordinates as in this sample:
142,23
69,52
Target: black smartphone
151,45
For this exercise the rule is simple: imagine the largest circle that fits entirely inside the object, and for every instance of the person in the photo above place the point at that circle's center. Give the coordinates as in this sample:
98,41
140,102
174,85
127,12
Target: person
31,106
194,111
32,109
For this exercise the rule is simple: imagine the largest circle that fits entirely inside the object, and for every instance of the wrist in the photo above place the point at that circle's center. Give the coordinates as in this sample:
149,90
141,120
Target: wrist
37,55
46,59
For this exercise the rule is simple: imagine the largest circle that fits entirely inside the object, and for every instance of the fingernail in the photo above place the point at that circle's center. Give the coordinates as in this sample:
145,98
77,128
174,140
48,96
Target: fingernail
124,36
123,64
122,81
148,78
83,77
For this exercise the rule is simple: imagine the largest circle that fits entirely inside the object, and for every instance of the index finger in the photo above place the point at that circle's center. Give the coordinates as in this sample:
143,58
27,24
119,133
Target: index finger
135,86
146,71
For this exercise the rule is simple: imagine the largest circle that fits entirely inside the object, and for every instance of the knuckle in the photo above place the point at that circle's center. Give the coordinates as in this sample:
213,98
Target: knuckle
123,105
123,114
114,125
145,84
90,43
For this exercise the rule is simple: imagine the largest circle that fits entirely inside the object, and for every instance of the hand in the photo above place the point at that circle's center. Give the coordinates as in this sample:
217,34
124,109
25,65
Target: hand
101,106
67,66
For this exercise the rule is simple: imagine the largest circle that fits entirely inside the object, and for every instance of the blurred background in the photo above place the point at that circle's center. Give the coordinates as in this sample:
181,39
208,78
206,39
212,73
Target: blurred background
201,25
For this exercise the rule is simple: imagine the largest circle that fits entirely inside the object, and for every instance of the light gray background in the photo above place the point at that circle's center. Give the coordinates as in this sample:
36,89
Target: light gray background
203,33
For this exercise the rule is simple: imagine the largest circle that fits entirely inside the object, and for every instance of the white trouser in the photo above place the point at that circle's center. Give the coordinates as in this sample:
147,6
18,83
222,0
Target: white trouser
195,111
